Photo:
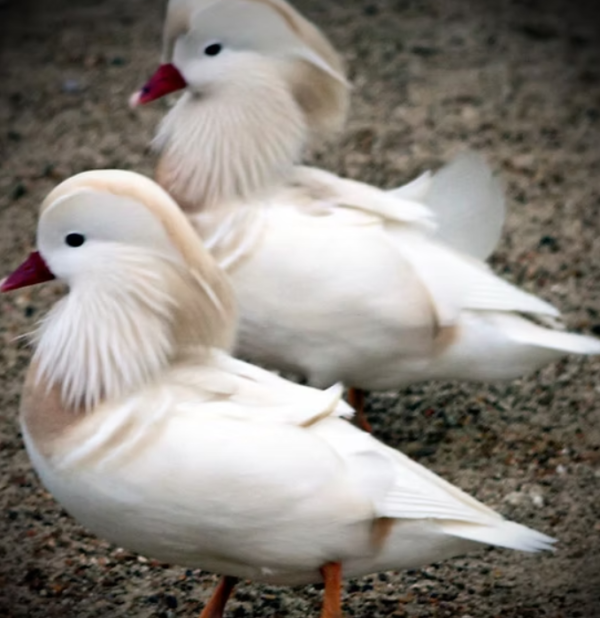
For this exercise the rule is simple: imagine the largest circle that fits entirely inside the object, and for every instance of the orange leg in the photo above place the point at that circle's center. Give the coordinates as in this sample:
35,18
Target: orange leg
356,398
216,604
332,596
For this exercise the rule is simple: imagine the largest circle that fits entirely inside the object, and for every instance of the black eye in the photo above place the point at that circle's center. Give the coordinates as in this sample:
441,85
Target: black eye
213,49
74,239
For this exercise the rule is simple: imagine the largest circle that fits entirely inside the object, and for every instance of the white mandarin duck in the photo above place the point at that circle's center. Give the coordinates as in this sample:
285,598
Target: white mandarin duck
336,280
147,431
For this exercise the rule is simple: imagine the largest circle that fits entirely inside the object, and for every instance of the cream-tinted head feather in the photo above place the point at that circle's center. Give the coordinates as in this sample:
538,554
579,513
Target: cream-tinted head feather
317,75
143,289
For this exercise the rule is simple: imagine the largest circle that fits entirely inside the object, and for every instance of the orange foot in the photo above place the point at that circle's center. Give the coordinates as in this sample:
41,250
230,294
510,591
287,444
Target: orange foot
356,398
216,604
332,596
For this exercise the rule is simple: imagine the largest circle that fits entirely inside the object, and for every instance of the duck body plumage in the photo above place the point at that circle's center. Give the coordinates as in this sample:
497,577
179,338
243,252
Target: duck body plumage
338,281
234,470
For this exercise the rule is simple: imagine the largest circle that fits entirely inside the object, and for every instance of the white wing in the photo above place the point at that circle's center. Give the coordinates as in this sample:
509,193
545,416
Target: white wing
457,281
462,204
467,201
230,388
400,488
454,279
324,186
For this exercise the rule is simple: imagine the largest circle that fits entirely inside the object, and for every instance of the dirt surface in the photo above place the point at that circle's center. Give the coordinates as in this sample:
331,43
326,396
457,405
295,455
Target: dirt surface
517,80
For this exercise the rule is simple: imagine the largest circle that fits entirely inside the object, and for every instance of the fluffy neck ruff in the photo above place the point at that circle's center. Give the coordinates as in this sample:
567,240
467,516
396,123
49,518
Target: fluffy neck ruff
121,327
233,143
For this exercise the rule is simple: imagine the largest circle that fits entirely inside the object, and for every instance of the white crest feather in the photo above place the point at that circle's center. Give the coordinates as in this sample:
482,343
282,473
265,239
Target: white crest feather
118,329
218,151
259,26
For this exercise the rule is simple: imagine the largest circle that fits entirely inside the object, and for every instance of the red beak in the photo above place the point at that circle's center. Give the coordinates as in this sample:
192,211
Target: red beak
166,79
33,270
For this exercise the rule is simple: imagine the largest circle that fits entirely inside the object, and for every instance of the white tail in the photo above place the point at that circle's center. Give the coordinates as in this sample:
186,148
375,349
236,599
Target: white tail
554,342
502,533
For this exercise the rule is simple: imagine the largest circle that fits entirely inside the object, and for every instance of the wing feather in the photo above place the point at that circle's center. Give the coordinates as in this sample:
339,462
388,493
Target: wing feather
230,388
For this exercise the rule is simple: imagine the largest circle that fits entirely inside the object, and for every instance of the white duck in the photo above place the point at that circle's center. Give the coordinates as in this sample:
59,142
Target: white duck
336,280
153,437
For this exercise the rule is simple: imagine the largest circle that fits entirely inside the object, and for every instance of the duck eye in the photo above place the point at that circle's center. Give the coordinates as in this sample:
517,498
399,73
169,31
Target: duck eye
213,49
74,239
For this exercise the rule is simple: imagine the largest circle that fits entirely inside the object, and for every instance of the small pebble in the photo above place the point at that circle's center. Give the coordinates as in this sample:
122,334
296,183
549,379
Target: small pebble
72,86
171,601
19,191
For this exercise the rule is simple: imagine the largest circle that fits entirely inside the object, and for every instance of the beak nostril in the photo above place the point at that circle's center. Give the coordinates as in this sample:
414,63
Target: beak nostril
165,80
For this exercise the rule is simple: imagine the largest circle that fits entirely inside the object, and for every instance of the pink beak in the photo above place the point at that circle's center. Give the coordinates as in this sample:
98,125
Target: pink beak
33,270
166,79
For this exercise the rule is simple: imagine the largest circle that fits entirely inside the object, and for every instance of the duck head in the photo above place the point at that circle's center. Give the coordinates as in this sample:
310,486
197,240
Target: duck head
261,83
142,288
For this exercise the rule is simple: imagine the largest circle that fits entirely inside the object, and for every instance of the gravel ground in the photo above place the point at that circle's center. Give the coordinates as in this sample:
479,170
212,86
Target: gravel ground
518,80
